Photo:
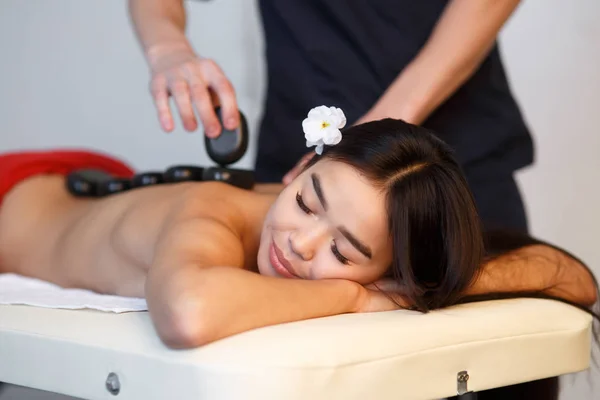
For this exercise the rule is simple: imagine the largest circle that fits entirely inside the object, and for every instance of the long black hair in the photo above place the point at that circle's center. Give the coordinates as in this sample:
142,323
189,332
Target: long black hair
439,245
432,218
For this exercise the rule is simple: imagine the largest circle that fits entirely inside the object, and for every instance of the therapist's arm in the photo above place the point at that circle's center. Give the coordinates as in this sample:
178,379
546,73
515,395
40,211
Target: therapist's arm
194,82
537,268
158,23
461,39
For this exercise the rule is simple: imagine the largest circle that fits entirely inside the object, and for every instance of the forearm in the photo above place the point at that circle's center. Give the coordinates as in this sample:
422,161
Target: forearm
158,24
537,268
195,306
460,41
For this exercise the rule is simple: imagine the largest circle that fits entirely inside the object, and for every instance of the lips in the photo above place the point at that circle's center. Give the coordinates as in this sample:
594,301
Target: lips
279,262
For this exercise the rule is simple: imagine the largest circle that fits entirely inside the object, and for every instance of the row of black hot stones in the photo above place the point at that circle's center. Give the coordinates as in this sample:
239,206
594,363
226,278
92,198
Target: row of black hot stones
228,148
95,183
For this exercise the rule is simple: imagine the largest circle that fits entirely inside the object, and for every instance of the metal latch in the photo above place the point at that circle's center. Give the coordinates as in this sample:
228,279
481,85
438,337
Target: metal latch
461,382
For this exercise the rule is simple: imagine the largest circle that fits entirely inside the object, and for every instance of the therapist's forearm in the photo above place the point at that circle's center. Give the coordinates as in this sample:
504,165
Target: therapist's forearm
158,24
213,303
462,38
537,268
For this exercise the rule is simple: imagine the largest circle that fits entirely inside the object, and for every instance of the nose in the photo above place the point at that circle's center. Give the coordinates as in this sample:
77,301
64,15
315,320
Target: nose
305,241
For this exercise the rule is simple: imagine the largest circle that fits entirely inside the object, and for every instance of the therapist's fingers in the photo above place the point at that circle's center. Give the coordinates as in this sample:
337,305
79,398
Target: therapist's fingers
222,87
387,285
298,168
160,94
191,82
203,101
180,91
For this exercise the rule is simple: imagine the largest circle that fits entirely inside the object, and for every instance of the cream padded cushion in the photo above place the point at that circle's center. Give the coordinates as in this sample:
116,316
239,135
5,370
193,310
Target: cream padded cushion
383,356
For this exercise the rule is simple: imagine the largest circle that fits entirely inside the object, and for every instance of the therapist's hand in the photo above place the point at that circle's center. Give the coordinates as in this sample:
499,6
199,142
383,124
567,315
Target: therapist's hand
194,83
297,170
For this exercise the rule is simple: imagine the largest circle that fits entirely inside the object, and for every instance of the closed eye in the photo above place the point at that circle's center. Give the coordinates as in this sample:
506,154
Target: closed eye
302,205
338,255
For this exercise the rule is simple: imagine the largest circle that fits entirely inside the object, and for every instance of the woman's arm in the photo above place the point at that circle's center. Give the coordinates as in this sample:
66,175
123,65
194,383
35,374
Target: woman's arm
216,302
462,38
193,300
537,268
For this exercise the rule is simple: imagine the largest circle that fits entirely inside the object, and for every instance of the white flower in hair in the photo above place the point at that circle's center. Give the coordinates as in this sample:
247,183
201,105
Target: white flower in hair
322,127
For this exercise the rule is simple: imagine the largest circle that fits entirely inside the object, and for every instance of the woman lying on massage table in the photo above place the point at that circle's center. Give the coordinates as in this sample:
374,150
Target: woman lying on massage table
381,220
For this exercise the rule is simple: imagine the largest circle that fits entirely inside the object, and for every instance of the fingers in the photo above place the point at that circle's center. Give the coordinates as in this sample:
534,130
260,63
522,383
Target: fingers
191,84
205,106
298,168
181,93
160,94
225,93
386,285
392,290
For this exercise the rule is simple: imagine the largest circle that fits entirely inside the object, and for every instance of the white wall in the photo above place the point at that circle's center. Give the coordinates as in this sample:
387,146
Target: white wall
71,74
552,52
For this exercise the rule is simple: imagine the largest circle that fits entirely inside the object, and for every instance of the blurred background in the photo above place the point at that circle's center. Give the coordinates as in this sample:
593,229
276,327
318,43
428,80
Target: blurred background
72,75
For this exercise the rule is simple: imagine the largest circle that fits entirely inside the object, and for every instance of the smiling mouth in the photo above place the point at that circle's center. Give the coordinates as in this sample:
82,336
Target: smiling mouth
279,263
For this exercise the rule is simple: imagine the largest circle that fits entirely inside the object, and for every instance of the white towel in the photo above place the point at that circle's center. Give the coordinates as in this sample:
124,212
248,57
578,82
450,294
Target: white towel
17,289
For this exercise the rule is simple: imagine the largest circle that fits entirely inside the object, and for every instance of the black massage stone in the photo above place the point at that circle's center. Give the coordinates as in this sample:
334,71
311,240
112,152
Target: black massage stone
85,182
231,145
183,173
228,148
147,179
112,186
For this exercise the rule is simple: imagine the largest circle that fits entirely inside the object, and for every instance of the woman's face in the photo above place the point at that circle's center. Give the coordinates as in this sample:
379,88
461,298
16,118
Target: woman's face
329,223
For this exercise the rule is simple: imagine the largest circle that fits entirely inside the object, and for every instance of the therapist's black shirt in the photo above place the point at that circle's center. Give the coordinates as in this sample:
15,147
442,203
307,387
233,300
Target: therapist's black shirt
345,53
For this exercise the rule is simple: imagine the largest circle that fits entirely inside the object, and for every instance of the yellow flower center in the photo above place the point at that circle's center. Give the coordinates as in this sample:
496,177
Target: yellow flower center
324,124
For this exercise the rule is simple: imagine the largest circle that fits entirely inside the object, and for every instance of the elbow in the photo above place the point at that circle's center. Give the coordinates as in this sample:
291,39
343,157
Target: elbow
189,308
588,287
187,324
584,292
591,295
180,309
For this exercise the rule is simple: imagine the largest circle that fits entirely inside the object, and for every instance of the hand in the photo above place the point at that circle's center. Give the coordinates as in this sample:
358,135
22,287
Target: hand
192,81
383,295
294,172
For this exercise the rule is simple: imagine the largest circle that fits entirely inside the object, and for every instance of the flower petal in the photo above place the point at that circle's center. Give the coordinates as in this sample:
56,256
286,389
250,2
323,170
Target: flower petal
312,129
331,135
322,127
320,112
337,117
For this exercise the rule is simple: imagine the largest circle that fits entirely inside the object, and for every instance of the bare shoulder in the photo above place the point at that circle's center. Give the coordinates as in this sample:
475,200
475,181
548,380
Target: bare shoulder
210,227
200,240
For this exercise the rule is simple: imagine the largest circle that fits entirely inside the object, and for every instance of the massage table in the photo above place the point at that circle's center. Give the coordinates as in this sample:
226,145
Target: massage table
92,354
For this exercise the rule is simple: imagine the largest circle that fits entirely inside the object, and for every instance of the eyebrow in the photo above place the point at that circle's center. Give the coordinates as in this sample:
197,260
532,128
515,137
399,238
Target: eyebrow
364,249
319,191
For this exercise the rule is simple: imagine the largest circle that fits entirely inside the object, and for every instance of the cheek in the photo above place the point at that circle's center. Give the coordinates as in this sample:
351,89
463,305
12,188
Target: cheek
262,258
279,218
282,212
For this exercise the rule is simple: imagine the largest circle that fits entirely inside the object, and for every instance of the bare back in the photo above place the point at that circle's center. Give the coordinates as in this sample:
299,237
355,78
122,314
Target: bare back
109,244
